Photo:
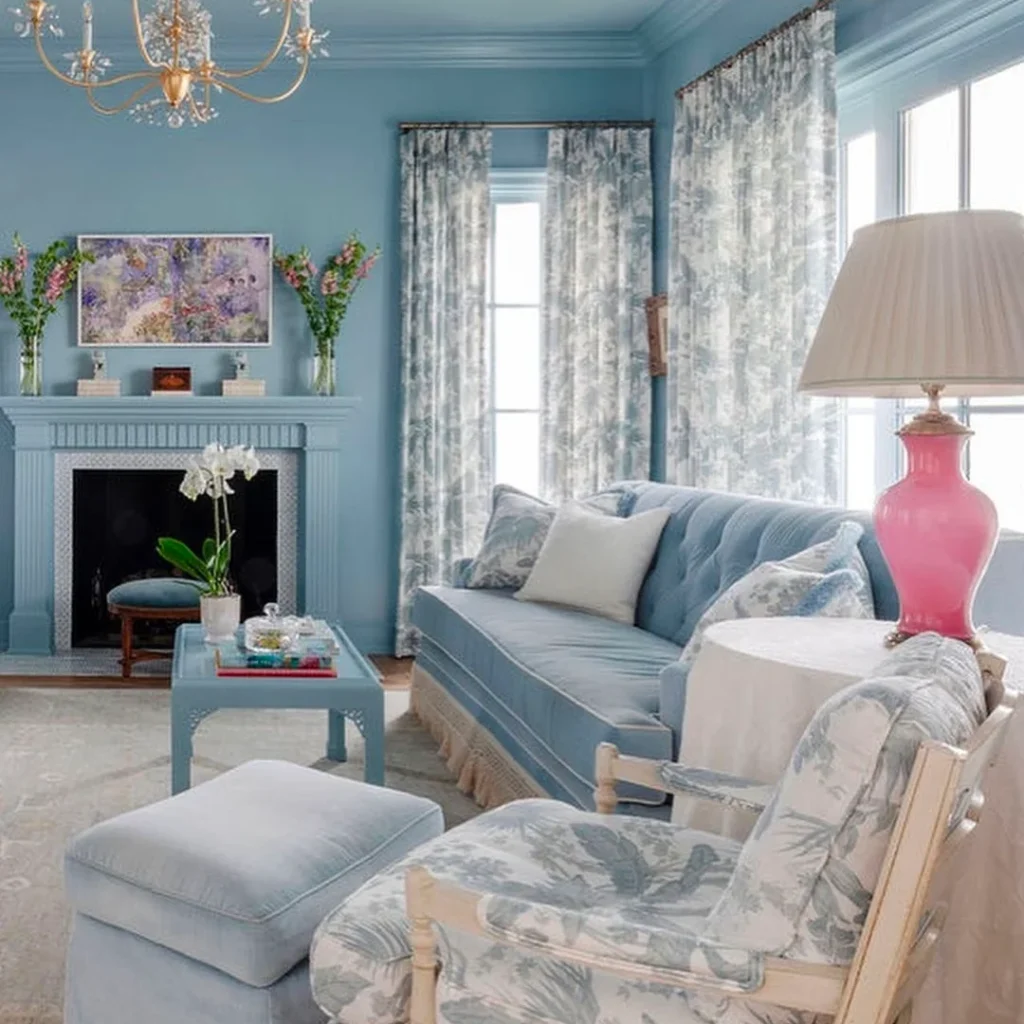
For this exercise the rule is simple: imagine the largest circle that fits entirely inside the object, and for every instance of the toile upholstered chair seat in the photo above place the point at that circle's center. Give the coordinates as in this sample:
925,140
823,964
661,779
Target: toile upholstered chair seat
539,913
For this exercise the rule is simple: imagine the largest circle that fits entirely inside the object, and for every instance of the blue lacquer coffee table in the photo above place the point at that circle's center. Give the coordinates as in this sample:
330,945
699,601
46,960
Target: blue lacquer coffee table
197,691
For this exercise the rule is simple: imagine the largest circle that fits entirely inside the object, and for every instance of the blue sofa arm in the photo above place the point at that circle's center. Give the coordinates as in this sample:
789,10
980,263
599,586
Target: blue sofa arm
673,700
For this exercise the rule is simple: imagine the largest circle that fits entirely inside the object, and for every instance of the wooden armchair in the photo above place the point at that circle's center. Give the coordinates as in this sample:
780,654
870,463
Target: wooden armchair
937,815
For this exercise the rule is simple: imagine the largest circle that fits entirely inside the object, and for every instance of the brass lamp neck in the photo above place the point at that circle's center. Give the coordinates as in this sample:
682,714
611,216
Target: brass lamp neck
933,421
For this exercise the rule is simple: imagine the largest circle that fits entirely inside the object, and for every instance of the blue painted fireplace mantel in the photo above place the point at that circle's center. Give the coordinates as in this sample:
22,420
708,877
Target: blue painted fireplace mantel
44,426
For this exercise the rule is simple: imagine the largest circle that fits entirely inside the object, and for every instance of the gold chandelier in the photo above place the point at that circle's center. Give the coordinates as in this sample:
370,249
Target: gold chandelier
175,41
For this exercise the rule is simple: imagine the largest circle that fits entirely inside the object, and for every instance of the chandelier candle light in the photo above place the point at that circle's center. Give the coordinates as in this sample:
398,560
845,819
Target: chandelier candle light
935,304
175,45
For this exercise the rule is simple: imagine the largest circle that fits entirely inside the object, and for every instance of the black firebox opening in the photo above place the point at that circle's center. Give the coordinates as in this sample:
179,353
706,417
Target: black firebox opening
118,516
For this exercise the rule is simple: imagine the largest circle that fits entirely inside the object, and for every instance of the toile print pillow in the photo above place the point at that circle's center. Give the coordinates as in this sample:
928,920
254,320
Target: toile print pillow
826,579
517,530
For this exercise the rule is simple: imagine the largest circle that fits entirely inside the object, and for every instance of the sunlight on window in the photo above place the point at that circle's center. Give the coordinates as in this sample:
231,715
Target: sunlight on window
998,439
997,149
514,324
860,184
932,155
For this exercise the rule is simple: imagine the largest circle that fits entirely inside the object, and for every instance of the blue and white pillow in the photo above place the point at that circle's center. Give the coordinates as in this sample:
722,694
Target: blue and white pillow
517,530
827,579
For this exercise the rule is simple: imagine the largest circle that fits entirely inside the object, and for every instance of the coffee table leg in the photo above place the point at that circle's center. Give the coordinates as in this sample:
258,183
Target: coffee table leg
373,735
181,749
336,750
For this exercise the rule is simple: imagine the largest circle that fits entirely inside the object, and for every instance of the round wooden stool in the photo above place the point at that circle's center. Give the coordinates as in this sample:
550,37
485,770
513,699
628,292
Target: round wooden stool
168,599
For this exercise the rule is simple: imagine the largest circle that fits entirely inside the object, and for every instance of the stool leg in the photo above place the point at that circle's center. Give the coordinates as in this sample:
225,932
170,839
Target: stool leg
336,749
126,646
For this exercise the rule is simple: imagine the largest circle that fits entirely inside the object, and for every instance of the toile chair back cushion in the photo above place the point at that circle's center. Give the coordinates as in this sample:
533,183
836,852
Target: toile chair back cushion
806,875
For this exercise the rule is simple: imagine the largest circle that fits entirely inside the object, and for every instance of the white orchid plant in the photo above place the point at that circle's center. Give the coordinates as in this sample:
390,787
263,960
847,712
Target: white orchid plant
210,475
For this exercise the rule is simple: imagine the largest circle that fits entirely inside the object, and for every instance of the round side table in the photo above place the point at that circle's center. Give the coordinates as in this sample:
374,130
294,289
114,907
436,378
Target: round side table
751,693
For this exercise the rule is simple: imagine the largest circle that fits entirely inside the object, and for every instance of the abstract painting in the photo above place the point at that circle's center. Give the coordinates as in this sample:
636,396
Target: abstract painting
175,290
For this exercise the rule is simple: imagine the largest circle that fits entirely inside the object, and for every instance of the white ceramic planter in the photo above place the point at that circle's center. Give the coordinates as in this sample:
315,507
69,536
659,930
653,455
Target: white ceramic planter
220,617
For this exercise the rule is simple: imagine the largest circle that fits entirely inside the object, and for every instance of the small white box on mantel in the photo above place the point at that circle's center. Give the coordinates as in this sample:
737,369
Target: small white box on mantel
244,387
104,387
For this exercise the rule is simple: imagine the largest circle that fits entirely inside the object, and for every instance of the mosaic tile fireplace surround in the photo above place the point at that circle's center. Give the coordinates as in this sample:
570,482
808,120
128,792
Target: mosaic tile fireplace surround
300,436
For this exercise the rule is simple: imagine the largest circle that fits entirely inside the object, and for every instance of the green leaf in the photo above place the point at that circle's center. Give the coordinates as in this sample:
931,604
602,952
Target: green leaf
209,551
182,557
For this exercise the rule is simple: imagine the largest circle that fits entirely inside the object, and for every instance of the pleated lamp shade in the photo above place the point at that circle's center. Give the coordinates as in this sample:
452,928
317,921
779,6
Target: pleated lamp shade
936,298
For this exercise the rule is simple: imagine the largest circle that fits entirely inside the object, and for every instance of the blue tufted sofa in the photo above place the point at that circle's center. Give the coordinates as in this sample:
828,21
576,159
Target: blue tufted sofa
521,694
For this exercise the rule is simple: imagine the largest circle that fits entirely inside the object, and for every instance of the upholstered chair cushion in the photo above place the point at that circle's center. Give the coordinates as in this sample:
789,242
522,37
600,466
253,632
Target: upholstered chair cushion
516,532
163,593
807,874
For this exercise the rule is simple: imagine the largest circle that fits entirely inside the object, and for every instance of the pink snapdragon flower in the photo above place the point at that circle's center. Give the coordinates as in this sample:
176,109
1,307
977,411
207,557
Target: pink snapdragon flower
329,284
366,266
9,281
347,254
20,259
311,268
58,281
292,277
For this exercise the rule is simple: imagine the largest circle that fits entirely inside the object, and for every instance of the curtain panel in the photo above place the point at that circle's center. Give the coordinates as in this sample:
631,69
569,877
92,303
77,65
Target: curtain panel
595,385
447,451
752,260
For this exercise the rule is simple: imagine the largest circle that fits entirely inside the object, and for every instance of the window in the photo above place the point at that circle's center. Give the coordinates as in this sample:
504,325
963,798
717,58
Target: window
859,208
957,150
514,290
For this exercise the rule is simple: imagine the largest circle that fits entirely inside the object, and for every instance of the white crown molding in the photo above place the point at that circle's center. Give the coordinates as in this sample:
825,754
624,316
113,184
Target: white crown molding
674,20
564,50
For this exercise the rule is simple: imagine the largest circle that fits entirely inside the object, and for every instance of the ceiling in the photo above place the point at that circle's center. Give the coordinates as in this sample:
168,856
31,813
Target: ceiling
384,18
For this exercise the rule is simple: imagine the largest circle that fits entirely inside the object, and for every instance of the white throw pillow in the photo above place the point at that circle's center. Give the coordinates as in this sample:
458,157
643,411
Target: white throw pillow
595,563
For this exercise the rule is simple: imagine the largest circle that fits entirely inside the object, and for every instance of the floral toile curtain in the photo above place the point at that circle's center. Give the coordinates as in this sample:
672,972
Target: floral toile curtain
595,401
752,259
446,386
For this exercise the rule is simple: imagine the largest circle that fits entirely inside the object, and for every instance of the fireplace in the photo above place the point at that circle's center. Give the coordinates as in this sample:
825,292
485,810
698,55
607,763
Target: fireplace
304,439
110,508
117,517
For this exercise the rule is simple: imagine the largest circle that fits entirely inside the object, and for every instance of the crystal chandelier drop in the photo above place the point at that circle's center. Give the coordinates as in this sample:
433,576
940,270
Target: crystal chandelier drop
180,76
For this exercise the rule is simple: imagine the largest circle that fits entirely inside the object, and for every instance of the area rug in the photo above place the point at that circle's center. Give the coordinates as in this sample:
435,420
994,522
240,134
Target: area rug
69,758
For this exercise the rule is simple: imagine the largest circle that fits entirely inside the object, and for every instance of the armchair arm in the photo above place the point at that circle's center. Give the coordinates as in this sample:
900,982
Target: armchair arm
668,777
606,940
815,988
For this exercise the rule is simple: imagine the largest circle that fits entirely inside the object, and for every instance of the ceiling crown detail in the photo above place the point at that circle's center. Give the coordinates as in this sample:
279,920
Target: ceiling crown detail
175,40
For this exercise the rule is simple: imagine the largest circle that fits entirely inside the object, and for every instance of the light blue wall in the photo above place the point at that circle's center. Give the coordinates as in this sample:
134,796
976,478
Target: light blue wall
310,171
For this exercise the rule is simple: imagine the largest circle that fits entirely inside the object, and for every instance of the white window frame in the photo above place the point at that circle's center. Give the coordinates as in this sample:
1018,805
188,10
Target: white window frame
510,186
889,123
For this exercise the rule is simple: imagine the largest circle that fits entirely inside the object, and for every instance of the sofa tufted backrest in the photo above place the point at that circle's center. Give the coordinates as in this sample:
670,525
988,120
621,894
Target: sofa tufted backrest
712,539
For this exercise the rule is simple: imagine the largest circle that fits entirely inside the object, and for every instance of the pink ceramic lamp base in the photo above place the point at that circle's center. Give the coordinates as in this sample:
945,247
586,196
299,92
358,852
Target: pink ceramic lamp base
936,530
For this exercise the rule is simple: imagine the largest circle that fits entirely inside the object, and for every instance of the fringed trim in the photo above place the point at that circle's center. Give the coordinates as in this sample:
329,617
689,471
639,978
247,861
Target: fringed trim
479,763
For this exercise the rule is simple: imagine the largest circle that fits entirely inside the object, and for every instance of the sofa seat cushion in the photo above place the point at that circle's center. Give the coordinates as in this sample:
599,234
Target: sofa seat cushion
238,872
538,850
556,676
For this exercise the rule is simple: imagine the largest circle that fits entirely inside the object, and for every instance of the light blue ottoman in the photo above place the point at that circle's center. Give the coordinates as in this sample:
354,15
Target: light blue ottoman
201,908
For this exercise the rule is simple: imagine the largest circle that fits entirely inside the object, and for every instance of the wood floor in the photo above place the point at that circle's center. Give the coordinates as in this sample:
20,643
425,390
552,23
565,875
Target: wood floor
395,674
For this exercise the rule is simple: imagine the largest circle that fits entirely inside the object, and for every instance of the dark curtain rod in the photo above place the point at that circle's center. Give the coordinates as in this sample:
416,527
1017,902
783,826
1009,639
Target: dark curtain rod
821,5
407,126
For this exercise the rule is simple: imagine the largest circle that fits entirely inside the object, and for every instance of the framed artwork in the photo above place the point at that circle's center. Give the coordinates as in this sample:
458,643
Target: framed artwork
657,334
195,290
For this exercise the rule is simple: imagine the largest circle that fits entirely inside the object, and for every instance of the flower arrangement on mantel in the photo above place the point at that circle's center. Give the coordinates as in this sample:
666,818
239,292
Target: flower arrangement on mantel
210,475
54,275
325,295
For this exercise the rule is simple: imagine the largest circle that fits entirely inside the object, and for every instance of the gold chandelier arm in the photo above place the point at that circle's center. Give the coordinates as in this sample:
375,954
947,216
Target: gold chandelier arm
48,64
68,80
121,107
140,39
286,25
271,99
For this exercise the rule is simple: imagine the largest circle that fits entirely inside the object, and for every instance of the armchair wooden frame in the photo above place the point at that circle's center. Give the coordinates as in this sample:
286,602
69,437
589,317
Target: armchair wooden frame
937,819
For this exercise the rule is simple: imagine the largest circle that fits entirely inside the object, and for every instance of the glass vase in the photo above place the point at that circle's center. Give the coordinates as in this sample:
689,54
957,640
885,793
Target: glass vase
324,377
31,367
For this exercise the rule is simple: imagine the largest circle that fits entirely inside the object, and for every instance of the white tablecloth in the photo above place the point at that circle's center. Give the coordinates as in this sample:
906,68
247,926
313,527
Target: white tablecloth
751,693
